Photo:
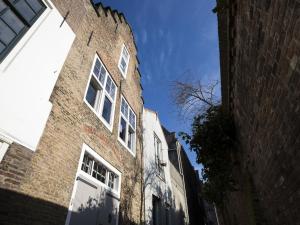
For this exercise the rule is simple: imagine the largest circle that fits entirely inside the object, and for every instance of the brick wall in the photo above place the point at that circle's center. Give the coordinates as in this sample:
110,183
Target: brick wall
261,47
13,167
48,174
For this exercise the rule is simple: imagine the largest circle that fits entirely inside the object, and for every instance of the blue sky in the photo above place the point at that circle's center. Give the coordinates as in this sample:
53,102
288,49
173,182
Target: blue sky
177,40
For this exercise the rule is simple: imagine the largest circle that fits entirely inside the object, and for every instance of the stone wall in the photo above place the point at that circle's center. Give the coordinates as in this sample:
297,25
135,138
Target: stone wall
260,66
48,174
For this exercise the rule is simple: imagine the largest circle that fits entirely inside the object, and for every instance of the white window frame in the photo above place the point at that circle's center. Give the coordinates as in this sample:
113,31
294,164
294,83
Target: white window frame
107,165
127,63
103,94
23,41
124,143
107,173
158,156
87,149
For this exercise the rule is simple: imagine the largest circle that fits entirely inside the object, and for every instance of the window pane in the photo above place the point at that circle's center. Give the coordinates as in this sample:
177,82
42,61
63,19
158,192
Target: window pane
97,68
123,65
99,172
113,90
24,10
122,131
36,5
110,87
87,164
99,71
91,94
108,84
125,53
2,5
107,109
6,34
111,181
102,75
13,21
124,108
132,118
131,138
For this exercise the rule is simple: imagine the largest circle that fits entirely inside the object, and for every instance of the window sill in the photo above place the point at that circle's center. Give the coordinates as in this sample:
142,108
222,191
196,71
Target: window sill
125,146
107,125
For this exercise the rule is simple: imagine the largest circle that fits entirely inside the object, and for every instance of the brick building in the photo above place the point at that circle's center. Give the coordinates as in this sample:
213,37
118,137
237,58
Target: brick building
260,74
70,132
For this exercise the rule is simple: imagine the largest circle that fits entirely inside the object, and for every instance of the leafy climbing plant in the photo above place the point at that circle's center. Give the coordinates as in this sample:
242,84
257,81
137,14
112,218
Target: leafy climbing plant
213,140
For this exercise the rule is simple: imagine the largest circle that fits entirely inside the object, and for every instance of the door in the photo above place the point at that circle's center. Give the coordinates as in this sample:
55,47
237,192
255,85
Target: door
156,210
108,215
92,205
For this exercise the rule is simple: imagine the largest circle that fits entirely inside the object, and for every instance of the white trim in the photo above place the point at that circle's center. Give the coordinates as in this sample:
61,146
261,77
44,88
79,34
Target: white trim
132,151
127,63
159,156
3,149
86,148
5,142
26,37
5,139
103,94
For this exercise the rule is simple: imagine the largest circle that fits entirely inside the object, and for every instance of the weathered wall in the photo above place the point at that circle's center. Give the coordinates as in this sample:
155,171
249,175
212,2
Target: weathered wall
181,218
264,66
49,173
195,209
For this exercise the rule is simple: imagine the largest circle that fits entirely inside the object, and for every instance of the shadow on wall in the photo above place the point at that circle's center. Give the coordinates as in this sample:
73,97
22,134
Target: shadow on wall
163,208
20,209
165,214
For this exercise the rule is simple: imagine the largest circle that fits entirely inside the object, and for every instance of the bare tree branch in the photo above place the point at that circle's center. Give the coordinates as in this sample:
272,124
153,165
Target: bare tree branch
194,97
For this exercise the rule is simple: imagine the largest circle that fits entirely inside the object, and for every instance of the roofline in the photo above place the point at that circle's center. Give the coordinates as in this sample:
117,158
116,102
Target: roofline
225,28
120,15
150,110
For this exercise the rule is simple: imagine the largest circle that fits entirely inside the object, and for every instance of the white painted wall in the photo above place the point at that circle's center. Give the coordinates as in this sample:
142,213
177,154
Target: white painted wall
153,183
28,75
